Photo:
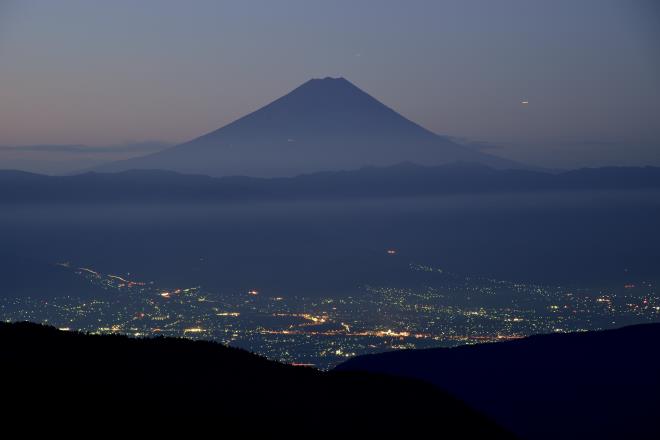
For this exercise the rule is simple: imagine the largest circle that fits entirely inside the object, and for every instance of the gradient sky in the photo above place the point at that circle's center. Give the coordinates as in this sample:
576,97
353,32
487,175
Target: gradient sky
111,72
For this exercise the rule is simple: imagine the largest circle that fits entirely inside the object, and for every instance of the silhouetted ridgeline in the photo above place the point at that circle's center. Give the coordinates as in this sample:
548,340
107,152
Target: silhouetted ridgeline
165,381
602,384
394,181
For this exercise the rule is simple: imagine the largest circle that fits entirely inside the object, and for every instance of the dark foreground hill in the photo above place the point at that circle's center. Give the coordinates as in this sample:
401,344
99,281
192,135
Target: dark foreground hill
164,381
403,180
602,384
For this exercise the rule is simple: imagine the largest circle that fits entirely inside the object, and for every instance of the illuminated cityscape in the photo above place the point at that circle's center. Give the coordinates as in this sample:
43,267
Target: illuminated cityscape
324,331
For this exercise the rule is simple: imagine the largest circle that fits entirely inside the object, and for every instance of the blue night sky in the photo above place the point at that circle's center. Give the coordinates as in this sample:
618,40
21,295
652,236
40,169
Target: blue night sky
110,72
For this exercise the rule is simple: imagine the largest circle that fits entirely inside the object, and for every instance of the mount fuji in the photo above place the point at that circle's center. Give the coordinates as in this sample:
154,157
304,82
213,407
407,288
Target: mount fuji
323,125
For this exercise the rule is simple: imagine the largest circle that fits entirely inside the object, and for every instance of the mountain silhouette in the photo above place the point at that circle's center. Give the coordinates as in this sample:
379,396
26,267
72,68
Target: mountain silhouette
404,179
164,382
602,384
324,124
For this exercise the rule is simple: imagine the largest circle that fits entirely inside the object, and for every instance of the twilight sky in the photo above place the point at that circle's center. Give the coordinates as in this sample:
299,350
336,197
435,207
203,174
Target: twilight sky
124,72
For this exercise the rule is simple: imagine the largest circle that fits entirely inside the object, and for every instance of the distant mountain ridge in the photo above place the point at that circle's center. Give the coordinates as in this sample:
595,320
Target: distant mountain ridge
600,384
323,125
400,180
65,159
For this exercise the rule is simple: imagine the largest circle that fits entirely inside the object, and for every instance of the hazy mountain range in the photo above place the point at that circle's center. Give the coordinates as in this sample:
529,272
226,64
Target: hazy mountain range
325,124
394,181
58,159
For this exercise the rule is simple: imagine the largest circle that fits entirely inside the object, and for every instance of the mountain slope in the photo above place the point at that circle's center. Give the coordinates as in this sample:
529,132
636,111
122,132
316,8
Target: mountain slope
28,277
166,381
602,384
325,124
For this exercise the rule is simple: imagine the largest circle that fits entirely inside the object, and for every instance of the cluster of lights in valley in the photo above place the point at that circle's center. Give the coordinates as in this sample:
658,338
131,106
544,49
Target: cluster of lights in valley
324,331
